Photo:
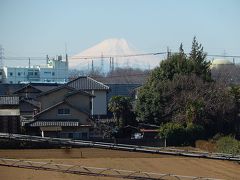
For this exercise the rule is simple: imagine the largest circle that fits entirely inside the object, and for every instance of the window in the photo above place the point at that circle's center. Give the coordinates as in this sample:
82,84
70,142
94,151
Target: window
36,73
10,73
64,111
10,82
30,73
53,73
19,74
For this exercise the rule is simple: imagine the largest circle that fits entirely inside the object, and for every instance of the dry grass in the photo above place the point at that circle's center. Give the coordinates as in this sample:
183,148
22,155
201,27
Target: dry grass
206,145
115,159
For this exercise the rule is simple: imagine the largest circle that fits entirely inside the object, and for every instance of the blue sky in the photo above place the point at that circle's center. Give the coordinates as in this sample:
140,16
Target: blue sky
40,27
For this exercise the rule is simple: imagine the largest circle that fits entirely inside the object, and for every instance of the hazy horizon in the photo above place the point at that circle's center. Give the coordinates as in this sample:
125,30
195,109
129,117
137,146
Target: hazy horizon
36,28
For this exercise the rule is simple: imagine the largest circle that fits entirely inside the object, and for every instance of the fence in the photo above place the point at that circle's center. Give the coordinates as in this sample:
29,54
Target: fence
125,147
94,171
136,142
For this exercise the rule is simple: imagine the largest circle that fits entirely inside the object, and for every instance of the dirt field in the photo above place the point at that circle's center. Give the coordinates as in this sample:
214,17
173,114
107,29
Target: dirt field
115,159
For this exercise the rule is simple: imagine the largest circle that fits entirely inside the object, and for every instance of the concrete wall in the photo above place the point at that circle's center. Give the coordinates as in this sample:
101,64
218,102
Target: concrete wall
99,102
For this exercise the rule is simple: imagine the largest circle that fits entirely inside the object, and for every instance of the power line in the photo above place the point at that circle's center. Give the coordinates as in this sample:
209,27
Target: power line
117,56
231,56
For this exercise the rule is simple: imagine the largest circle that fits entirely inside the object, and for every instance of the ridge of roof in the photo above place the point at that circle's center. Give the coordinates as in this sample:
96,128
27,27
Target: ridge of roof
26,87
98,82
55,89
79,91
87,85
32,102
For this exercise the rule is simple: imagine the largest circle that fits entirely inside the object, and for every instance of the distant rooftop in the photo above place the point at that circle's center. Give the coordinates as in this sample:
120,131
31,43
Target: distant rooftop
9,100
87,83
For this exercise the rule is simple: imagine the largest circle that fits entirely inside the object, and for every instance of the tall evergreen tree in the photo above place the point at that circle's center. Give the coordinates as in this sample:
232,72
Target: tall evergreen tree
181,90
198,57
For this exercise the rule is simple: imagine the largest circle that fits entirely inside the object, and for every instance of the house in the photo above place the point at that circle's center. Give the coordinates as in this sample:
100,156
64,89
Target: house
9,114
122,85
64,112
96,88
28,103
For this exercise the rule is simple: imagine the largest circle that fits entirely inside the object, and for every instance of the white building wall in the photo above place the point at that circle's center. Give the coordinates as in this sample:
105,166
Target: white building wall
14,75
55,71
99,102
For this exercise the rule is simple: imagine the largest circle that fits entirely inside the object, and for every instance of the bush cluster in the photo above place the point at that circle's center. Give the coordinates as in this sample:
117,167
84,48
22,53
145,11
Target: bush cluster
229,145
178,135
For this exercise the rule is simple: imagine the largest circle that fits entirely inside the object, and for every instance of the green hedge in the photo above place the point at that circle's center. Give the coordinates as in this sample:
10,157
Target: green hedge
228,145
178,135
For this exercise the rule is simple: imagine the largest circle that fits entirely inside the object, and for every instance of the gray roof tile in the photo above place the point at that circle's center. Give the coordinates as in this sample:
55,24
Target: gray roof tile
9,100
87,83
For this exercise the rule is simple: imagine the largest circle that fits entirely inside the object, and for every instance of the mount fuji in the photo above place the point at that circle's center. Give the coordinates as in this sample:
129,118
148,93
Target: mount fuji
115,52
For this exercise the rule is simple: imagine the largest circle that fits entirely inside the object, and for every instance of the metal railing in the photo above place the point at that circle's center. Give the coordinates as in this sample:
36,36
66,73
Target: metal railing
94,171
145,149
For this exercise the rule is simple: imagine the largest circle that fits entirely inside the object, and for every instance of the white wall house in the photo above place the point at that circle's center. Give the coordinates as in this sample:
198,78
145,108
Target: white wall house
55,71
96,88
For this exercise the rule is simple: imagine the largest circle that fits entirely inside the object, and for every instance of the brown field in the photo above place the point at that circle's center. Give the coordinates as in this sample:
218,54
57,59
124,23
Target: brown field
114,159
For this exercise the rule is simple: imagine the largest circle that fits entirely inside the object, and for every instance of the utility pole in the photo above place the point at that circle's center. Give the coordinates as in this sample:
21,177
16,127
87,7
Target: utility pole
47,59
1,56
29,63
102,61
112,64
92,66
168,53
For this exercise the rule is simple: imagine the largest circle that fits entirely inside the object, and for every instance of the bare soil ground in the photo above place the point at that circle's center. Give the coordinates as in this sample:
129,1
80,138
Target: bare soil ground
114,159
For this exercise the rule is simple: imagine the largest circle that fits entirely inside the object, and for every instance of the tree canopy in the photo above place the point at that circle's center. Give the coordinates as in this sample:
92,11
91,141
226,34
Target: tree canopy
121,108
181,90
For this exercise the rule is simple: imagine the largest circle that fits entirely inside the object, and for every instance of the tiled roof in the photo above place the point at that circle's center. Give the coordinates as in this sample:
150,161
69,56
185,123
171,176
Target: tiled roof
6,89
9,100
87,83
58,104
48,123
22,89
56,89
33,102
46,88
57,122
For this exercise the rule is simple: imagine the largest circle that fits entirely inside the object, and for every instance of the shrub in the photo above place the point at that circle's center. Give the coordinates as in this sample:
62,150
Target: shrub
174,133
193,133
206,145
228,145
